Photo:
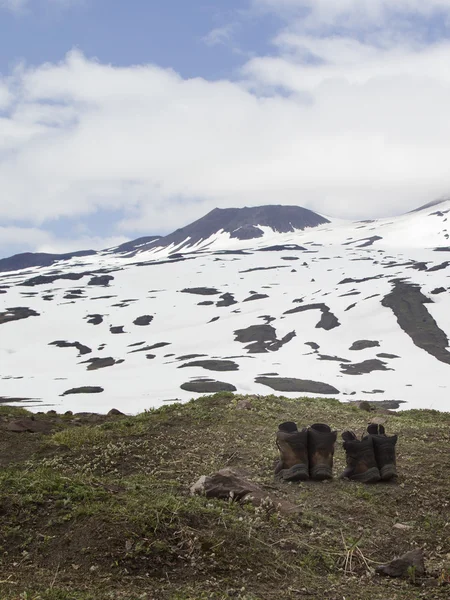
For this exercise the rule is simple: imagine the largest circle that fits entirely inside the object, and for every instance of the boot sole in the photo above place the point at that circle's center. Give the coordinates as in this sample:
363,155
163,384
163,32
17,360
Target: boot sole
295,473
321,472
388,472
370,476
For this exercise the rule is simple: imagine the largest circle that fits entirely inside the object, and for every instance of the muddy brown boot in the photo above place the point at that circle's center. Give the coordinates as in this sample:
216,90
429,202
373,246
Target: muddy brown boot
384,448
361,463
292,444
321,442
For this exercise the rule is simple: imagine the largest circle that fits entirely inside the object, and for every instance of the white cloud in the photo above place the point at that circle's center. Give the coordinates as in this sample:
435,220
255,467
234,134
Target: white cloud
26,239
21,6
220,35
352,12
360,131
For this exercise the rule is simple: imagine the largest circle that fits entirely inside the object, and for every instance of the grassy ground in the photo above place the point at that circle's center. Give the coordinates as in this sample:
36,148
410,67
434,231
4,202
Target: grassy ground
102,510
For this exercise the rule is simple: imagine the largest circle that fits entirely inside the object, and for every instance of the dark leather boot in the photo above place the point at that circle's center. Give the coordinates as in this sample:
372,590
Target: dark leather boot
384,448
361,463
292,444
321,442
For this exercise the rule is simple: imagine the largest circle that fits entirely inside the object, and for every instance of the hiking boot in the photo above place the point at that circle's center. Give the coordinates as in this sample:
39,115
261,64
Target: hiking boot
361,463
384,449
292,444
321,442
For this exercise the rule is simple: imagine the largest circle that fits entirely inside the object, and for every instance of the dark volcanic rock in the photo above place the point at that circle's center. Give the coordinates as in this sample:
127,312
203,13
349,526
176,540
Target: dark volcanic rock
242,223
84,390
368,241
152,347
247,232
101,280
207,386
227,299
367,366
287,384
408,304
80,347
443,265
282,248
205,303
100,363
439,290
213,365
133,247
328,320
143,320
261,338
189,356
363,344
45,279
202,291
313,345
386,355
256,297
116,329
37,259
94,319
333,358
264,269
17,313
351,280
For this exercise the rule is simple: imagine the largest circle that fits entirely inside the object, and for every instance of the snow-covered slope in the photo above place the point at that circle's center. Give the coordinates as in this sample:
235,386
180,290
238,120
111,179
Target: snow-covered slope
354,310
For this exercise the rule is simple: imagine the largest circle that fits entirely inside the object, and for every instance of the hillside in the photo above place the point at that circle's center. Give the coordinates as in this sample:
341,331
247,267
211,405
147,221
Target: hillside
99,507
352,310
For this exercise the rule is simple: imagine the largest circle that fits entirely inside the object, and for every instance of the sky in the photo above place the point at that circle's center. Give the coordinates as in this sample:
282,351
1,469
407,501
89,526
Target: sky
123,119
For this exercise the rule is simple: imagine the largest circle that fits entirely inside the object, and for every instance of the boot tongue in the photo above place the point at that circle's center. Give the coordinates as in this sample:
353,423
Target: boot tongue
348,436
321,427
288,427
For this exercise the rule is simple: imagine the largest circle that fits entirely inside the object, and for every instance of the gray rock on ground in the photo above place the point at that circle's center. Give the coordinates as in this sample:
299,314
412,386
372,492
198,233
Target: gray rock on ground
410,564
227,484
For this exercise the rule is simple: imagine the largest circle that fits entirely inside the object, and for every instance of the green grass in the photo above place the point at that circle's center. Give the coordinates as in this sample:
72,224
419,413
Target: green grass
103,511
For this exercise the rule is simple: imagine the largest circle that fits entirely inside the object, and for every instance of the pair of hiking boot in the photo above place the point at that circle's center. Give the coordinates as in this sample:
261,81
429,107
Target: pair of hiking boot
372,458
308,454
305,454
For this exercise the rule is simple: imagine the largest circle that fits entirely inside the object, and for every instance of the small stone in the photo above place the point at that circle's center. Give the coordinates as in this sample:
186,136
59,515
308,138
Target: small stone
244,405
115,412
402,527
411,562
364,405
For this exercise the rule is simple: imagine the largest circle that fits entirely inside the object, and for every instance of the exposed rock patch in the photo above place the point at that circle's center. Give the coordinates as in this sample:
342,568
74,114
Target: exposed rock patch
288,384
328,320
256,297
363,344
213,365
100,280
408,304
201,291
367,366
261,338
94,319
16,314
226,299
116,329
143,320
82,349
84,390
100,363
207,386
